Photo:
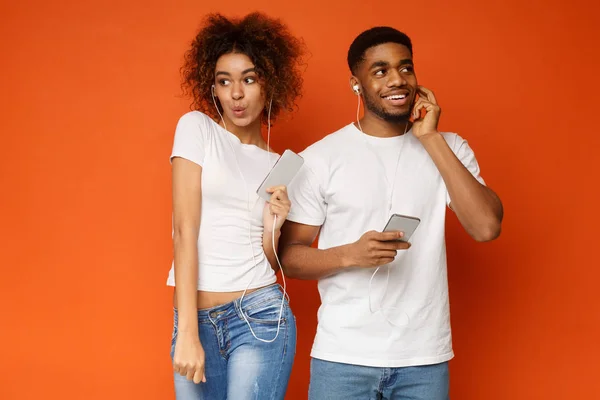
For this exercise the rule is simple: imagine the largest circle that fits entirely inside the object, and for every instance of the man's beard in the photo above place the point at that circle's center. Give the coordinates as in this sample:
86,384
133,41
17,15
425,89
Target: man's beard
372,106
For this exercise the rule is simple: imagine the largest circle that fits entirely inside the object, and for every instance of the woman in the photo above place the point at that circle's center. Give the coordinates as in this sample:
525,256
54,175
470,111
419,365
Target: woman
234,334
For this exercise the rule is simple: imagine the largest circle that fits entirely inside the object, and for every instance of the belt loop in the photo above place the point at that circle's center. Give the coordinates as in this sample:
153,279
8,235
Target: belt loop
238,308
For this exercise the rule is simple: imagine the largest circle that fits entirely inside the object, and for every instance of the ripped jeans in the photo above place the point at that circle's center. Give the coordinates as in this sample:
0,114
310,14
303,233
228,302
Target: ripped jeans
237,365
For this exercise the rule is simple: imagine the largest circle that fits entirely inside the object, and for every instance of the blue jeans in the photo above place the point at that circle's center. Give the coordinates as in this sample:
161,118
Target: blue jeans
237,365
335,381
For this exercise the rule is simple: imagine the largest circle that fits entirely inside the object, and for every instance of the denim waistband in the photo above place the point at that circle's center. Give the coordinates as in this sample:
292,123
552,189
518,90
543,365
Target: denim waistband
250,300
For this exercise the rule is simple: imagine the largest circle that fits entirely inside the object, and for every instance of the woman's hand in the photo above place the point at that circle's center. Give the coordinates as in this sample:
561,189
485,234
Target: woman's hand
279,206
188,359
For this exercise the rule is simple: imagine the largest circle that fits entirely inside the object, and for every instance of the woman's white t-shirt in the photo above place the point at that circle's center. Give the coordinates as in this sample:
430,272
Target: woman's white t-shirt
230,250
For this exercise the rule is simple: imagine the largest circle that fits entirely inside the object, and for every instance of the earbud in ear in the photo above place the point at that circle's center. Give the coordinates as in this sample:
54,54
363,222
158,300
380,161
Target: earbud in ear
355,89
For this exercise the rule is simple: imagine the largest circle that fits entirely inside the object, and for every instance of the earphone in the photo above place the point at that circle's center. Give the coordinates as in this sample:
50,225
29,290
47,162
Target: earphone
250,225
356,90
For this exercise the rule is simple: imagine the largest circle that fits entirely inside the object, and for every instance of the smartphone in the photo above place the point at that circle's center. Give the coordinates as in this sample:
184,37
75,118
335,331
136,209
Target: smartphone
402,223
282,173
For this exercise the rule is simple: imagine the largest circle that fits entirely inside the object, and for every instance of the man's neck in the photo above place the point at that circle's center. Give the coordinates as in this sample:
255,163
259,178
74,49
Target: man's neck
375,126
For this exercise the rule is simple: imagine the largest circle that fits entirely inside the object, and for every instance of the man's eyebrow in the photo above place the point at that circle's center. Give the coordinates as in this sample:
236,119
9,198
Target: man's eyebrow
377,64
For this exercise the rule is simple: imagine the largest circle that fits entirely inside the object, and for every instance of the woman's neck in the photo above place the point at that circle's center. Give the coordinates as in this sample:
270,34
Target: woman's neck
250,134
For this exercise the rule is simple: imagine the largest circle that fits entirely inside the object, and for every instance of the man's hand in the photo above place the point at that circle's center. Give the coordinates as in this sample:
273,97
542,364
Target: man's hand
425,125
375,248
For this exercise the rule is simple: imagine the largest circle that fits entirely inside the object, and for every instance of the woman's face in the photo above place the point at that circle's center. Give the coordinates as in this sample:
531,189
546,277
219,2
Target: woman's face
238,89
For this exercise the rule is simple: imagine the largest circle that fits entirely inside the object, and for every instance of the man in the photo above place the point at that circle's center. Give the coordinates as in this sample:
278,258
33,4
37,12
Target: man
383,334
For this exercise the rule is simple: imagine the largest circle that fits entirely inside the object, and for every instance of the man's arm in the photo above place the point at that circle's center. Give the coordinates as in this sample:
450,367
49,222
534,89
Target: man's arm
301,261
477,207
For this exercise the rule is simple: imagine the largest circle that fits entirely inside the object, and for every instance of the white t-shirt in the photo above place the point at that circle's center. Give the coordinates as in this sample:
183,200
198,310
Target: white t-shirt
226,225
345,187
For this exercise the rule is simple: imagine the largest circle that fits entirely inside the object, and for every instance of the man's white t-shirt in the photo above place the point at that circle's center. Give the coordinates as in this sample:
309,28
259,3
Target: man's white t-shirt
347,184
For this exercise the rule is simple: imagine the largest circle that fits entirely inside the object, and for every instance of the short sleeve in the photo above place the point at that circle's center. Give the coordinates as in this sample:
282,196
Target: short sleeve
191,138
305,193
467,157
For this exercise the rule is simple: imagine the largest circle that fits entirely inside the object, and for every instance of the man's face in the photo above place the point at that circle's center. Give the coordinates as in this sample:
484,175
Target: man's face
388,82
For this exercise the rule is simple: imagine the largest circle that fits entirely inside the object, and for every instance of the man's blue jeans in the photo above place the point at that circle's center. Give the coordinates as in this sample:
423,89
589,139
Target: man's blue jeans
337,381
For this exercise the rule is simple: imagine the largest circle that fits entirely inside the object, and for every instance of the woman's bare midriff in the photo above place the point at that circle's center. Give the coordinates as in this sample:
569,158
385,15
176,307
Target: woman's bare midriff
213,299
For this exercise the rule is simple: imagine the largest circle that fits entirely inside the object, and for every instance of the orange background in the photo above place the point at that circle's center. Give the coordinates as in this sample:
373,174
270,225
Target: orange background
89,102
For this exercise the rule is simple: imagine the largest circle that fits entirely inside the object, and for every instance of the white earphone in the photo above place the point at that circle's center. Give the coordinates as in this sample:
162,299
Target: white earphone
356,89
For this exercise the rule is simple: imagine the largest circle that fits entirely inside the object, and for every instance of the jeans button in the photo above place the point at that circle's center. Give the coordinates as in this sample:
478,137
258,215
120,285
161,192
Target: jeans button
213,314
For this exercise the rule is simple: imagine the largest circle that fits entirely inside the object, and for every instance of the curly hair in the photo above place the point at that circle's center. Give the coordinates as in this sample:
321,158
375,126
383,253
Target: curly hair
276,54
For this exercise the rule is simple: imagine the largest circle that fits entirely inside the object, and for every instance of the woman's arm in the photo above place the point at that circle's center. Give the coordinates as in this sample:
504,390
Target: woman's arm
187,201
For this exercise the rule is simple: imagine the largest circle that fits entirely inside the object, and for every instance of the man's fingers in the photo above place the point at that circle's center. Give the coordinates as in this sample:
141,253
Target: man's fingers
429,106
390,241
428,94
417,109
393,245
403,245
424,104
387,236
385,260
387,254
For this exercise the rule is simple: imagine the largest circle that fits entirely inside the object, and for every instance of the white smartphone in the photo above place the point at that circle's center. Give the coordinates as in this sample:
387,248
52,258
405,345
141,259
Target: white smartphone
402,223
282,173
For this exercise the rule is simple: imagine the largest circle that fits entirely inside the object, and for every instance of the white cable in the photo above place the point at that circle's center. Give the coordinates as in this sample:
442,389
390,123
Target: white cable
212,92
357,113
250,230
381,309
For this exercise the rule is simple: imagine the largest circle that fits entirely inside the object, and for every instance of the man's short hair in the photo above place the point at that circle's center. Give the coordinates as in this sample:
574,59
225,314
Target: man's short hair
374,37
